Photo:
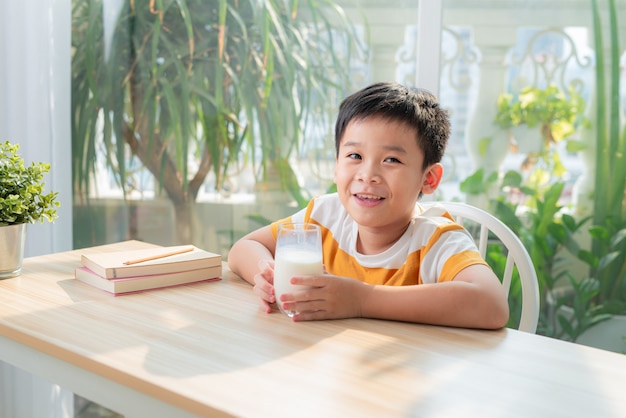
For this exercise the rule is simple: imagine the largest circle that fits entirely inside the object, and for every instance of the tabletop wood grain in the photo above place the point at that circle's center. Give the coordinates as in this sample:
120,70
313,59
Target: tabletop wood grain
209,349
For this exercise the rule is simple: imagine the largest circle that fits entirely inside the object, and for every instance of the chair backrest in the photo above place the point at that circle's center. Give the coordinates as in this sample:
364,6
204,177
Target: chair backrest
516,256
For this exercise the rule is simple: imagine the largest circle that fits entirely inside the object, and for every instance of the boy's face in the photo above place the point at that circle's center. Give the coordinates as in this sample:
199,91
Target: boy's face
379,173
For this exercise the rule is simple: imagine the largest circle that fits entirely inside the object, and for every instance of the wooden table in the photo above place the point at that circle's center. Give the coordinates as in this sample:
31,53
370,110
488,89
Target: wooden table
208,350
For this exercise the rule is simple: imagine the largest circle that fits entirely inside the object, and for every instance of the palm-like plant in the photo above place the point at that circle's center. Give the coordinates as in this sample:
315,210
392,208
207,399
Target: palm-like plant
187,87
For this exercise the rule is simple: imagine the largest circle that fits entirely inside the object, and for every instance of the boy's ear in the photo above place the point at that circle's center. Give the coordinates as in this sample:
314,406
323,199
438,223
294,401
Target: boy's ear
432,178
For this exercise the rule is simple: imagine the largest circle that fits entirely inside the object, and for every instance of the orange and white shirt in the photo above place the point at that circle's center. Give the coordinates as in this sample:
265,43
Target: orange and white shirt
432,249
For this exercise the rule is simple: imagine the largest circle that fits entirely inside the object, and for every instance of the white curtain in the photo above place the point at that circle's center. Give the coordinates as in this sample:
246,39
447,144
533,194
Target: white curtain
35,113
35,85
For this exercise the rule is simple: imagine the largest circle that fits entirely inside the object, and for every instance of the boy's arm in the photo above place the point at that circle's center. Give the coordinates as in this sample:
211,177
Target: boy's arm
473,299
247,252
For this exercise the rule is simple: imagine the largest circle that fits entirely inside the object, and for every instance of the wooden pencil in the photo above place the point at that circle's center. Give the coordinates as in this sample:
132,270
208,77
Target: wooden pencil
157,256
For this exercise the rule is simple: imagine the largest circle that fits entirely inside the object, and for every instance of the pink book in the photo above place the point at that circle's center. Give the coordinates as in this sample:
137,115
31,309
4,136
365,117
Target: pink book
142,283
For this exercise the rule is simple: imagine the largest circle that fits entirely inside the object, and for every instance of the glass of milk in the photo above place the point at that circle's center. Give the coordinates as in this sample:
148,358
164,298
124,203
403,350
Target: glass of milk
298,253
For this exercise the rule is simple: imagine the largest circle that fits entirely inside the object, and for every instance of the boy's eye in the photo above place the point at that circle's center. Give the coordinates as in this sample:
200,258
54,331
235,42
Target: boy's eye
354,156
391,160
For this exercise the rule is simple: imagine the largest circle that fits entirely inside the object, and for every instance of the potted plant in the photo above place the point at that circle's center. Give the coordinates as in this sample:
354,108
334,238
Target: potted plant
22,201
538,119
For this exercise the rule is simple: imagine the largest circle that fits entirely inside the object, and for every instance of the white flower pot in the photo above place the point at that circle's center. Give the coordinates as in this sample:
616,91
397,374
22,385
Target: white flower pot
12,238
528,139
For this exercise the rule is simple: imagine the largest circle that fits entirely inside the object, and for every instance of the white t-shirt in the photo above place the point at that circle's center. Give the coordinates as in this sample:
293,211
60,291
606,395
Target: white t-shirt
432,249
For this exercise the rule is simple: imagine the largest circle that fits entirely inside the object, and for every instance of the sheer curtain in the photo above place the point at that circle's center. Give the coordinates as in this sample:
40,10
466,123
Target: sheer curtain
35,113
35,103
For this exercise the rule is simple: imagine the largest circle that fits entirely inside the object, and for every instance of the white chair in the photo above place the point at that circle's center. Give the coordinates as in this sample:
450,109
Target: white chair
516,256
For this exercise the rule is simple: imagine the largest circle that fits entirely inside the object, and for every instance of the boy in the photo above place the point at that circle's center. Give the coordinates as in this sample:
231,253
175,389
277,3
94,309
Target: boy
385,257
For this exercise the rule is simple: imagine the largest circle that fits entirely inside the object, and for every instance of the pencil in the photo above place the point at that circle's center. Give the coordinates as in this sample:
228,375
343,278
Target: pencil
157,256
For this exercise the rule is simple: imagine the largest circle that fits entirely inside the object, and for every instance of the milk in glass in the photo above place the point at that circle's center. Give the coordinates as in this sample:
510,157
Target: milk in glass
298,253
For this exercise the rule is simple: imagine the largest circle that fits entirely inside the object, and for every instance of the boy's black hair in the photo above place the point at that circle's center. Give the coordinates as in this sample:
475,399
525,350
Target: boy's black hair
417,108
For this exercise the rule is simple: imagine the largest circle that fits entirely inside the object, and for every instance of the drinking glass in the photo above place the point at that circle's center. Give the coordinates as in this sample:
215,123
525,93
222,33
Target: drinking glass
298,252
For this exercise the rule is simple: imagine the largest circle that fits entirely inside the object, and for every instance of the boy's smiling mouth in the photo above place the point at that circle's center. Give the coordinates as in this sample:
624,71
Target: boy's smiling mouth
368,199
367,196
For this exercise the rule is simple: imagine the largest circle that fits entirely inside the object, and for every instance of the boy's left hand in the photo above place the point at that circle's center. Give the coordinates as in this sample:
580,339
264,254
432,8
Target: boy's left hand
330,297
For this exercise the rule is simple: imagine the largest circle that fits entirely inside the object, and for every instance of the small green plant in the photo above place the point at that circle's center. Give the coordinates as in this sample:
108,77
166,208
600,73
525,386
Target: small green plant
557,117
609,266
22,197
584,313
556,114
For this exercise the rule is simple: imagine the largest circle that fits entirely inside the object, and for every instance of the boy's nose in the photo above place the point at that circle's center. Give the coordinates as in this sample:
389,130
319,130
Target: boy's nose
368,174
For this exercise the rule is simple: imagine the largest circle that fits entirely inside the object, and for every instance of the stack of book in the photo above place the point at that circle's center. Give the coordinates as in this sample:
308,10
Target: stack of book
139,270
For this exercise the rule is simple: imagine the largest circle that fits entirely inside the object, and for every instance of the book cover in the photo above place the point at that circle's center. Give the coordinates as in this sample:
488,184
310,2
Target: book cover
150,261
142,283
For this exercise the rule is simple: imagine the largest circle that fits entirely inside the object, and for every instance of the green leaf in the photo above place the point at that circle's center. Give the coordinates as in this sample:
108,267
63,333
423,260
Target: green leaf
569,222
558,232
474,183
618,238
607,259
588,257
575,146
512,179
599,233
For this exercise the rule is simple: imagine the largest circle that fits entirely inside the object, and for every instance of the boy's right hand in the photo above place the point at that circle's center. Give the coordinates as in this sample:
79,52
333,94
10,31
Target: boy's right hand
264,284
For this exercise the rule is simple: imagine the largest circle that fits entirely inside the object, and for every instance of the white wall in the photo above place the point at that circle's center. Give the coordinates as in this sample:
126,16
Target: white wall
35,83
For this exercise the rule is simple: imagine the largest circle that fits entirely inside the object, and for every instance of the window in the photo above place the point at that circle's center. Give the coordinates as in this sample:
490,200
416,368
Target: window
266,170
